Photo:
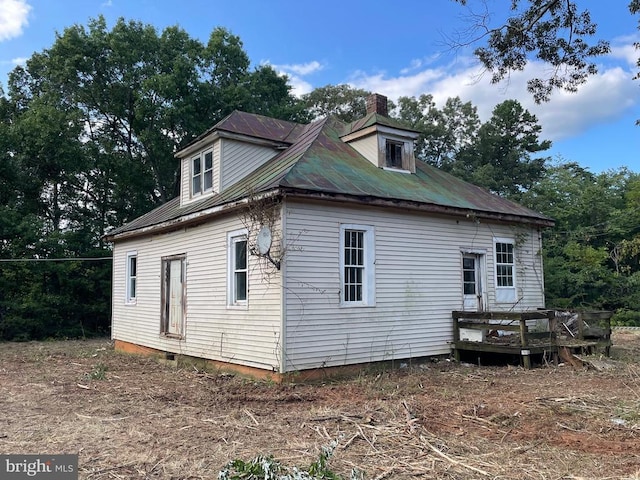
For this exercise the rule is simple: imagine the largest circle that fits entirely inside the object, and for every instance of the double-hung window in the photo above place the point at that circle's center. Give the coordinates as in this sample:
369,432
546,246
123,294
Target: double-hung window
202,173
132,277
505,270
357,275
238,268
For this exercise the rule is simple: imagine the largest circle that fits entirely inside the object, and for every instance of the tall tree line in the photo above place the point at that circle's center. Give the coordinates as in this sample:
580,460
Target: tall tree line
89,126
88,129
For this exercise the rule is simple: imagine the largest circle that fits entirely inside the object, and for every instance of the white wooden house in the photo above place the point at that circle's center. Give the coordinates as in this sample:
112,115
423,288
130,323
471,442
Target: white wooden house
294,247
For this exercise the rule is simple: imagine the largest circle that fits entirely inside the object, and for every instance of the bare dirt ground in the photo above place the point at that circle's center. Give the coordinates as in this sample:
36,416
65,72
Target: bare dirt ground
132,418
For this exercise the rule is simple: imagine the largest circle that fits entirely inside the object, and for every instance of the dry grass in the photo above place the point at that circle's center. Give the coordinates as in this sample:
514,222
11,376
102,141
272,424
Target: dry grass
130,417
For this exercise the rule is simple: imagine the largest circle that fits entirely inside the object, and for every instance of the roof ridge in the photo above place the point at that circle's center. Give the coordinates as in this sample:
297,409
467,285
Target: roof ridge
319,125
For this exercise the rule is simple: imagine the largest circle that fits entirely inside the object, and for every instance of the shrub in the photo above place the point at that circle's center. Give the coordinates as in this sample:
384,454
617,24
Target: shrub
626,318
267,468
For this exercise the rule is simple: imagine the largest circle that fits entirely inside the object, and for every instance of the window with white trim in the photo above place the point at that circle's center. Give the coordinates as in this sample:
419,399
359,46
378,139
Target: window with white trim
132,277
238,268
505,270
357,275
202,173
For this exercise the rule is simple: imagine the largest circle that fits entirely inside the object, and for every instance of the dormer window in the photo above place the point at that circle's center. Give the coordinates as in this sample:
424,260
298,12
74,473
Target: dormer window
202,173
393,154
385,142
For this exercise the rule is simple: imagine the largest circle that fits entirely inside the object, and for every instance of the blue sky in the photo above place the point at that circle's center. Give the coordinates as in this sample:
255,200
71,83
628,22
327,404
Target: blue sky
394,48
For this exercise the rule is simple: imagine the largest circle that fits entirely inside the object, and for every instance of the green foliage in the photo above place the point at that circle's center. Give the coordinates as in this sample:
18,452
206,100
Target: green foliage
99,372
592,256
626,318
443,132
500,155
267,468
88,130
551,31
343,101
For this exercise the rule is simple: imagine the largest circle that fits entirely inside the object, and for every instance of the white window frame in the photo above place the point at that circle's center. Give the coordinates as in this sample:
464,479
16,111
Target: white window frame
369,273
505,294
201,157
131,285
233,238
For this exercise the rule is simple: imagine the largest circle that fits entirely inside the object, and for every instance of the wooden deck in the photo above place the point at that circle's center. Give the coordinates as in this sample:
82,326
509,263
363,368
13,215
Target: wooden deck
509,333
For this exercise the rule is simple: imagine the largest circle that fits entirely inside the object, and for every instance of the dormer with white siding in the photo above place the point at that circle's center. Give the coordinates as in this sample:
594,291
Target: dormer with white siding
229,151
384,142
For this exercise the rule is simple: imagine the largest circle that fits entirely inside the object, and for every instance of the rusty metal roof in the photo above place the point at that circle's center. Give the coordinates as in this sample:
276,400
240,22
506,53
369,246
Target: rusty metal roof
254,125
319,163
372,119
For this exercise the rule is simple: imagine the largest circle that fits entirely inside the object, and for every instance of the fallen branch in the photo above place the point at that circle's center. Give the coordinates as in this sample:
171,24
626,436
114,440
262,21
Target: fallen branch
451,460
365,438
350,441
250,415
385,474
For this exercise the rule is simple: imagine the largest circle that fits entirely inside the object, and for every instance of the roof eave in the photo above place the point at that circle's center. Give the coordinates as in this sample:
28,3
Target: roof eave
420,206
215,135
190,220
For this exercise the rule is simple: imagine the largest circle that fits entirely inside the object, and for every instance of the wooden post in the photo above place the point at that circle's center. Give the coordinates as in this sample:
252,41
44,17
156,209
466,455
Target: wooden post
523,332
456,337
524,353
580,326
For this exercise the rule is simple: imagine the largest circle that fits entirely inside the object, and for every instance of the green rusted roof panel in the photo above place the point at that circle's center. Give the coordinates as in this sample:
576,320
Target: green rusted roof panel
373,119
319,161
332,166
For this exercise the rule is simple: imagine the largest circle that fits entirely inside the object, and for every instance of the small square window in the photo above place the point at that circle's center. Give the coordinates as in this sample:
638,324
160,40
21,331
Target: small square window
394,154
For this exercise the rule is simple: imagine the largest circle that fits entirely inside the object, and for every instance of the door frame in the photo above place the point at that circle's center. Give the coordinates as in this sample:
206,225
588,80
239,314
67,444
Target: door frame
480,257
165,297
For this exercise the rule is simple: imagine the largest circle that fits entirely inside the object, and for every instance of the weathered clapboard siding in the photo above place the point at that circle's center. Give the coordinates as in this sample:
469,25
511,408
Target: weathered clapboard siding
185,172
367,147
528,263
240,159
418,283
185,180
248,336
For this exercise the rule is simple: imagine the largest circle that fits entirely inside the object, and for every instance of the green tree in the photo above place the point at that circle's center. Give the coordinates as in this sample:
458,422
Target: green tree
591,256
343,101
501,157
555,32
87,136
443,133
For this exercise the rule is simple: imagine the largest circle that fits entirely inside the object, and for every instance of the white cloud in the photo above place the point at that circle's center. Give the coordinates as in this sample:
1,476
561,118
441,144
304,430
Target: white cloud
13,18
394,87
299,86
418,63
606,96
19,60
301,68
626,51
295,72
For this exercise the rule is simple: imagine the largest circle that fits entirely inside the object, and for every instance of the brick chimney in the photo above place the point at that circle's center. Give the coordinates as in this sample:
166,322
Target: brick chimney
377,103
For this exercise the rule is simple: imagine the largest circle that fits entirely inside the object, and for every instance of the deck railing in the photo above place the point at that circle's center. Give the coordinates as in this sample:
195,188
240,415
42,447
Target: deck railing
487,321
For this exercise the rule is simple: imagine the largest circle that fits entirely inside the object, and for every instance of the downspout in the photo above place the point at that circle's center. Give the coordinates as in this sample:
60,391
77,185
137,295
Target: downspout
283,285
